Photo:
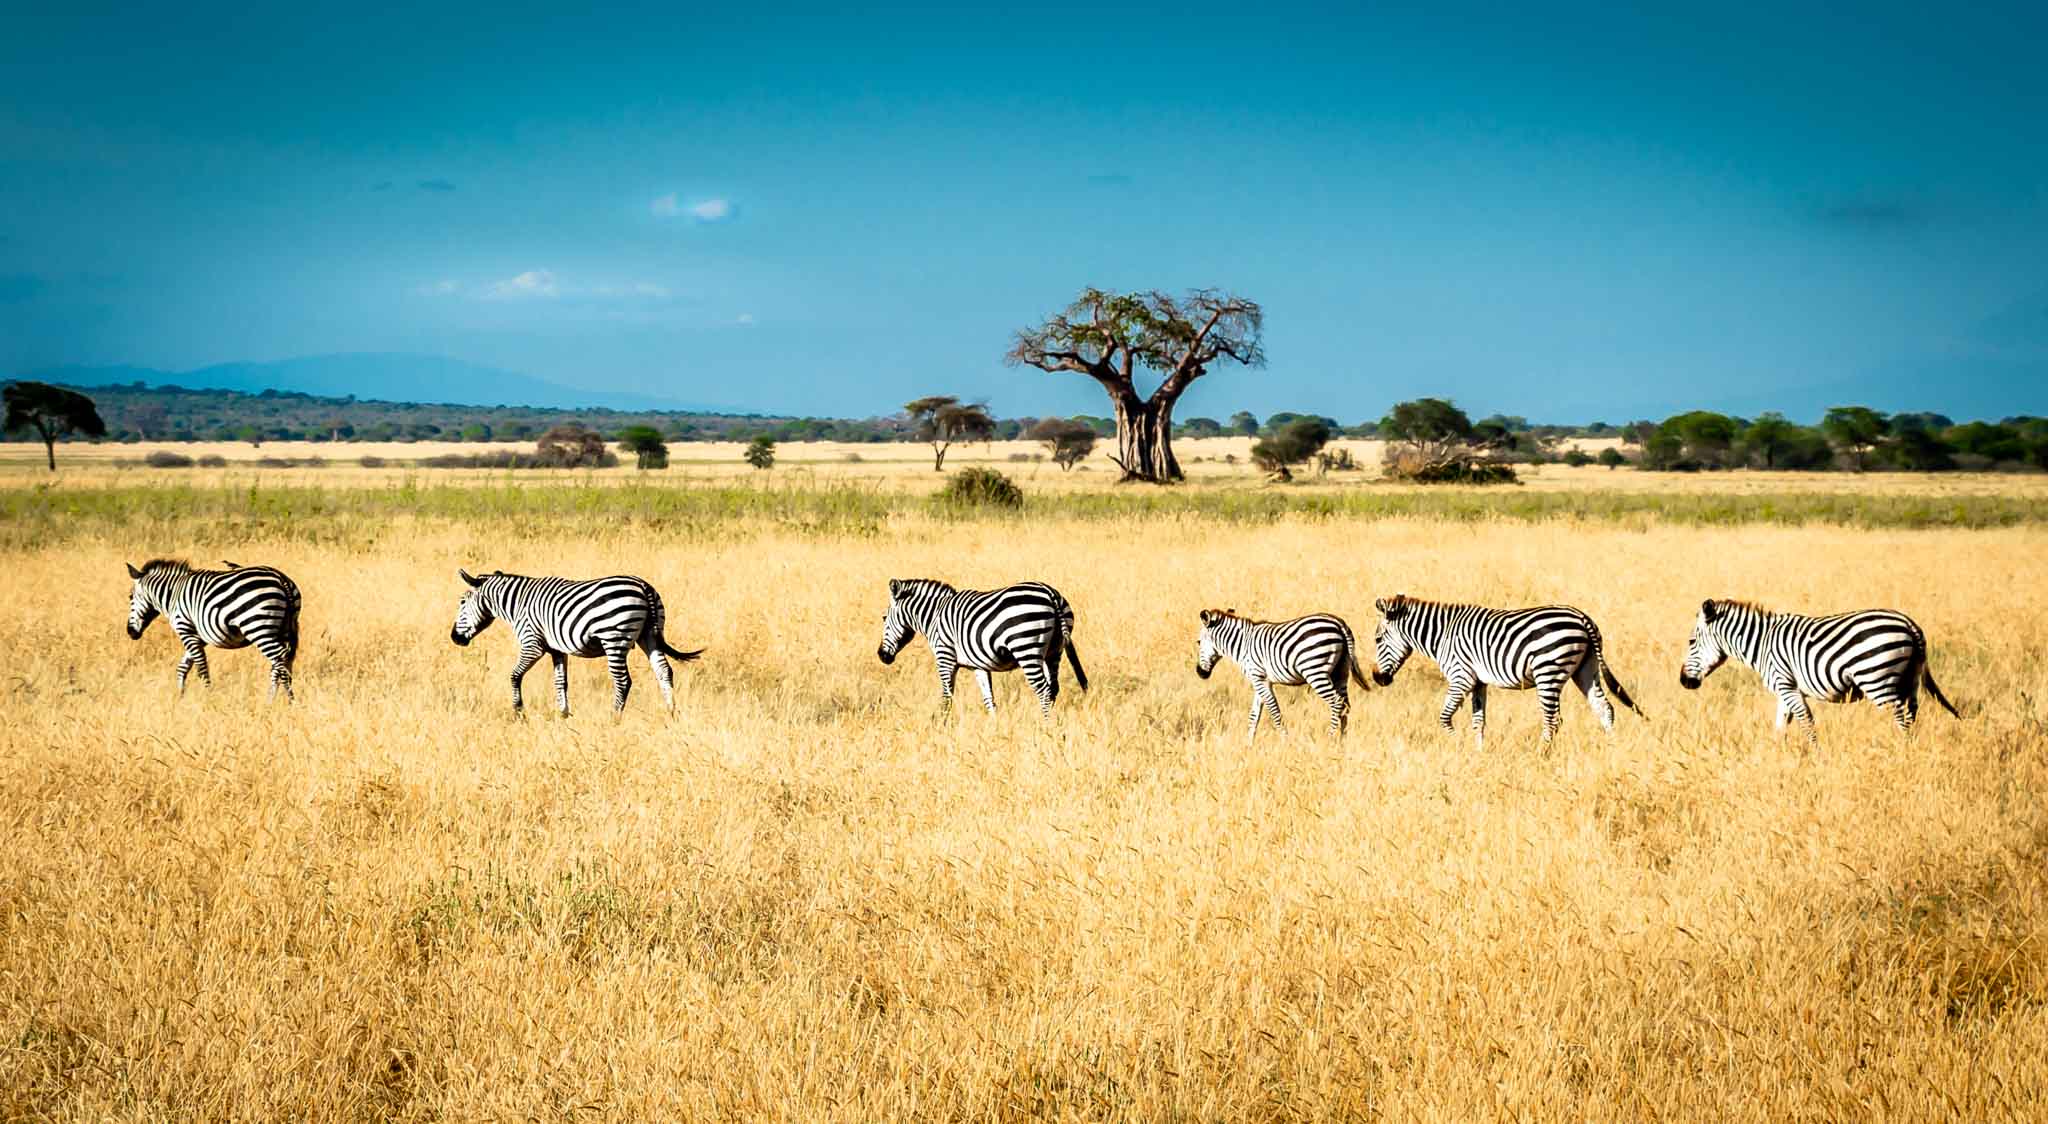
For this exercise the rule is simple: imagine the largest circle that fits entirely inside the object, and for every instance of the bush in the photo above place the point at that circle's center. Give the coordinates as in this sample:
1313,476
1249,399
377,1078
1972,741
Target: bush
163,459
1291,444
1578,458
371,462
1452,472
980,487
1612,458
573,446
291,462
213,460
761,452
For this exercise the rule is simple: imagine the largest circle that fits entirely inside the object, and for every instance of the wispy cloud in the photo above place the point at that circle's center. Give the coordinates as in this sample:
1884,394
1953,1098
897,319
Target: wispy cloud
744,318
704,210
435,185
545,284
534,283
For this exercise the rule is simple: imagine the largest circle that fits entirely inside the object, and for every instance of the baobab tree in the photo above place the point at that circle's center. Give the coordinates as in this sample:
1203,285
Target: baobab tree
942,419
1110,336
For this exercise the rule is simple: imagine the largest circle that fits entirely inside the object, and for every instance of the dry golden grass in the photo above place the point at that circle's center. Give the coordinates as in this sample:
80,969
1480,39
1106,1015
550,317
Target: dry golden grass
805,895
1216,462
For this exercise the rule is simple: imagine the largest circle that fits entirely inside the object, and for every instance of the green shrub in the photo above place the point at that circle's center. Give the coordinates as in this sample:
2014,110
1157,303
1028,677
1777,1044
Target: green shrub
1578,458
164,459
980,487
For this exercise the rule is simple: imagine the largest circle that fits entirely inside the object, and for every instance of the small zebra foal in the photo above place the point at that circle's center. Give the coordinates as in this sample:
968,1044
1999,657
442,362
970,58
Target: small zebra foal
1019,627
559,617
232,608
1874,654
1515,649
1316,650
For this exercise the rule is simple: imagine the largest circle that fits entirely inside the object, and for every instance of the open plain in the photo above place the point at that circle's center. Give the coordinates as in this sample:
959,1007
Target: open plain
807,894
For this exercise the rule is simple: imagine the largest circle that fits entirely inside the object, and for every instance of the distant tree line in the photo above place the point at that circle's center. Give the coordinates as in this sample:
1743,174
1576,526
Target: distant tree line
1435,439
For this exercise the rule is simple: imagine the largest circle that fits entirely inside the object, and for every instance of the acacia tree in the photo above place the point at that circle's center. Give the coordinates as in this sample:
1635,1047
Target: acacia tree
1109,336
1068,442
942,419
51,411
646,445
1855,430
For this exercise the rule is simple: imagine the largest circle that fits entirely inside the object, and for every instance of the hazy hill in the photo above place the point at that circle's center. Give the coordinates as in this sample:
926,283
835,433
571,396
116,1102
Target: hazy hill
388,377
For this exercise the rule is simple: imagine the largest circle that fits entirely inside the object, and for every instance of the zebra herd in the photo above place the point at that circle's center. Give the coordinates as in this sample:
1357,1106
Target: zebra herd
1874,654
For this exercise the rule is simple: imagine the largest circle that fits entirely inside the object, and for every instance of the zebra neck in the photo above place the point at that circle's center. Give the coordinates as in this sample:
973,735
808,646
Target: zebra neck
501,596
922,611
1428,627
1743,636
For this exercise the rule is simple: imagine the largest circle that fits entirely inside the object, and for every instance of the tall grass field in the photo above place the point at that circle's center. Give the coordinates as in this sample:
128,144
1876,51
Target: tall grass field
807,894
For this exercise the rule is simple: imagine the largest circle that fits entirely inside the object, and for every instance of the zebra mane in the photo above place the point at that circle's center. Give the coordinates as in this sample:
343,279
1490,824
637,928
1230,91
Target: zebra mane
169,565
1230,615
1722,605
905,585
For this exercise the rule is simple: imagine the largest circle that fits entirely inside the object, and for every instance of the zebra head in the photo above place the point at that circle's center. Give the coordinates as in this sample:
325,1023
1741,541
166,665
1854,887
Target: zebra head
473,616
1705,652
1390,644
141,605
896,626
1206,649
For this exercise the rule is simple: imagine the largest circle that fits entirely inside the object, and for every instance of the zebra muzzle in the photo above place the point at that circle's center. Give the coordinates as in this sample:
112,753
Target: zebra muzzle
1689,682
459,638
885,655
1203,671
1381,678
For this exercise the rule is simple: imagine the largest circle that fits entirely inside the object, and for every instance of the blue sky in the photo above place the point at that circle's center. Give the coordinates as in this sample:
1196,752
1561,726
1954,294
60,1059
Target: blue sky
1566,213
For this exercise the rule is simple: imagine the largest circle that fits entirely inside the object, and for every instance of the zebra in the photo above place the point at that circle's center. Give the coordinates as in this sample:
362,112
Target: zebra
1316,650
563,617
1019,627
232,608
1875,654
1516,649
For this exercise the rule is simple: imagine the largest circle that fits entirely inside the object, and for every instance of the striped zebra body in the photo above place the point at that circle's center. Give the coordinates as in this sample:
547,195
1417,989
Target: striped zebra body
1875,654
1023,627
560,617
239,607
1515,649
1317,651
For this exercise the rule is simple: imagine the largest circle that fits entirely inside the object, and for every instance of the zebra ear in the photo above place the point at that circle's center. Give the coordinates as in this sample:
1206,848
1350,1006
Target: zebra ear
132,571
1709,610
1392,607
472,580
1210,616
895,586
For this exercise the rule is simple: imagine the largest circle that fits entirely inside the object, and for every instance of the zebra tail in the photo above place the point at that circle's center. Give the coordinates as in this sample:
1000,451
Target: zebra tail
671,653
1614,685
1927,677
1351,657
1067,642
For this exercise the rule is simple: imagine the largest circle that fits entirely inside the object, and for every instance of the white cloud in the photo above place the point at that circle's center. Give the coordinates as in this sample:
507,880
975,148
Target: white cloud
745,318
668,206
532,283
712,210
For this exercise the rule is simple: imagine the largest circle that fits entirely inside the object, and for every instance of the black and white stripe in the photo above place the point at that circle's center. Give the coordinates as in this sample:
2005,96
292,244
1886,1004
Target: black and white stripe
1023,627
1515,649
562,617
1876,654
237,607
1316,650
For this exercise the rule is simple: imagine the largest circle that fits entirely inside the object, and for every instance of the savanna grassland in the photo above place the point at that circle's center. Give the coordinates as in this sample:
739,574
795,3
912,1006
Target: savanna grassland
807,894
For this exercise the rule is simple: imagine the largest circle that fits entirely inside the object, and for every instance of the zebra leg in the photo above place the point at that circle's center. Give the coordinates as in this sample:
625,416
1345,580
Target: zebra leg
520,666
947,670
195,657
1805,715
1332,693
622,680
561,663
988,689
1550,695
1252,732
1262,691
1588,679
1906,710
664,676
1479,714
1043,684
1461,684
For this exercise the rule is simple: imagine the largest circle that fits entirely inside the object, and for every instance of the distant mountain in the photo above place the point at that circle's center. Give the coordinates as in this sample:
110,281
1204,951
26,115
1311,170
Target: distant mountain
386,377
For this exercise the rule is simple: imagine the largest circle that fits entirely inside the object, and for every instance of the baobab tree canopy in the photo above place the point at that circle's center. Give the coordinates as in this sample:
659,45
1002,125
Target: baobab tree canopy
1112,337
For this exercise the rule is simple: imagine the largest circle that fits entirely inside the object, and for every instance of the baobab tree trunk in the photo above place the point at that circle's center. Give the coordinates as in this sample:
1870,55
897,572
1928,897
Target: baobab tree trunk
1144,440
